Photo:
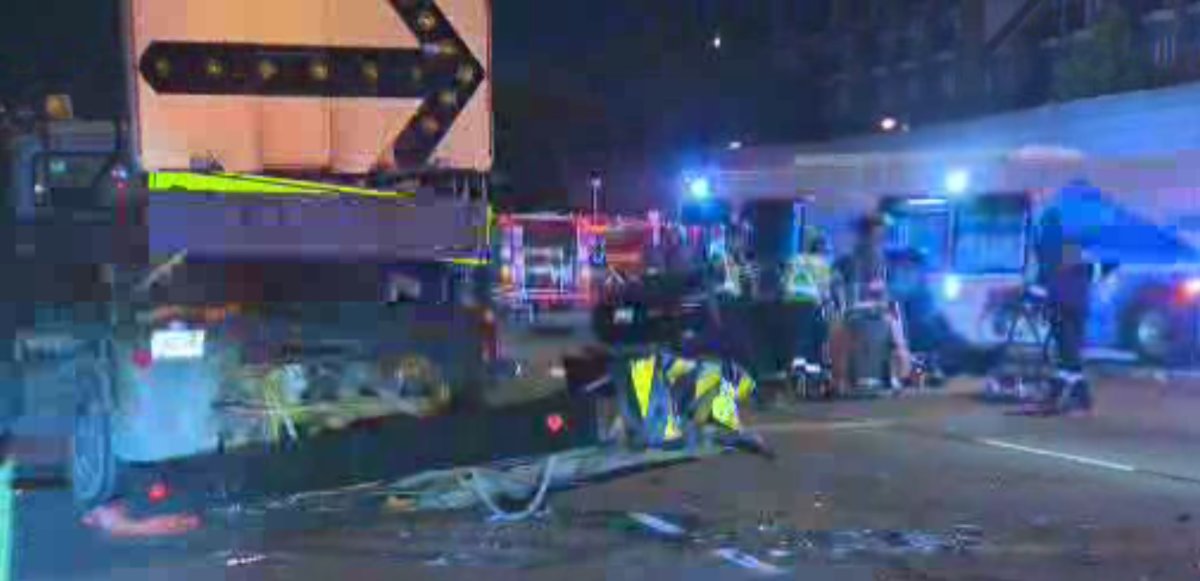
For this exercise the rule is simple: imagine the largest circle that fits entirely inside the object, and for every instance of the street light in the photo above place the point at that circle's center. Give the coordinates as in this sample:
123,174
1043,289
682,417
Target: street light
716,41
699,188
888,124
734,145
596,182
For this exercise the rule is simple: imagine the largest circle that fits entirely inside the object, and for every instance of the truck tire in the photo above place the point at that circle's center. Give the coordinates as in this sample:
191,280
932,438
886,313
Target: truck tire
1158,333
94,466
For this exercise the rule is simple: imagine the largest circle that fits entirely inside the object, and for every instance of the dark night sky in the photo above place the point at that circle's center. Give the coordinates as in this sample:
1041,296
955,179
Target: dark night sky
621,86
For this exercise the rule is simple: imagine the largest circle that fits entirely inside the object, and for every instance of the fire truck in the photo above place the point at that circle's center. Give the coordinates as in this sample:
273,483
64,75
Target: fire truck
563,261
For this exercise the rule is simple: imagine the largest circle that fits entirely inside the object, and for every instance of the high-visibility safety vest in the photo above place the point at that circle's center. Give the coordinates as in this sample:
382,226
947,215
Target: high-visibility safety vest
671,396
808,278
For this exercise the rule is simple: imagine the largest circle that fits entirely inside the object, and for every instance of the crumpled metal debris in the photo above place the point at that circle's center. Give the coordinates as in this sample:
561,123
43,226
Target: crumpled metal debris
242,559
775,544
747,561
115,520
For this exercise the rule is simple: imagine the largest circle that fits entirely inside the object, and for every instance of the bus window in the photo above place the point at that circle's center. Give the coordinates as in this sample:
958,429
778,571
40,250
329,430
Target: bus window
990,236
926,232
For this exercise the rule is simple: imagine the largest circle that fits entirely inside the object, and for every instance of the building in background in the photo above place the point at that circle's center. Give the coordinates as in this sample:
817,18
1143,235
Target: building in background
920,61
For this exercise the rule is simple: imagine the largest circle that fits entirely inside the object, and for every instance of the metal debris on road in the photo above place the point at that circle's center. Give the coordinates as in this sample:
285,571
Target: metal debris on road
966,536
399,504
747,561
115,520
658,525
243,559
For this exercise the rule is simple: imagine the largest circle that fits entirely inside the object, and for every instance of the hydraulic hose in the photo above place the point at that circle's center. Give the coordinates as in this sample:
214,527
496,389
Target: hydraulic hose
535,504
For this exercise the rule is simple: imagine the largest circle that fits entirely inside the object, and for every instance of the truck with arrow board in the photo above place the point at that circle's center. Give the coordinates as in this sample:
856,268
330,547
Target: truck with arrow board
269,276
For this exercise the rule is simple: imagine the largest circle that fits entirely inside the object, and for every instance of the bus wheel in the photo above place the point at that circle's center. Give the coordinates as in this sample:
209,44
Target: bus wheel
1154,333
93,463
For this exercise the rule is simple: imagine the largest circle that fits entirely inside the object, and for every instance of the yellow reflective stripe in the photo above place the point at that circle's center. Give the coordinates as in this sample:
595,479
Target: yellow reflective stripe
642,374
703,408
470,262
680,368
725,412
745,387
491,224
709,380
672,431
220,183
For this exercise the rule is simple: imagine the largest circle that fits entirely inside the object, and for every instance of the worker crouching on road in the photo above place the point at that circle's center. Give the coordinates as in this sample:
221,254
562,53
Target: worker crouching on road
668,401
869,348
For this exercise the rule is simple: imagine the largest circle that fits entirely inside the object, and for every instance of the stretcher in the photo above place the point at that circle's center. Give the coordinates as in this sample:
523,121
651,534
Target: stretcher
876,355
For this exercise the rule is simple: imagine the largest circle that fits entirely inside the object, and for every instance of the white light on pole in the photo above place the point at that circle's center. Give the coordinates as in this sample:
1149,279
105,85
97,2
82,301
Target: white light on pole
596,182
716,41
734,145
699,188
888,124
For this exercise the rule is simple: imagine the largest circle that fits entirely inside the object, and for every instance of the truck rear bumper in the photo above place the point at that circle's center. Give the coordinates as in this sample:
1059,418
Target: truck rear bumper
380,450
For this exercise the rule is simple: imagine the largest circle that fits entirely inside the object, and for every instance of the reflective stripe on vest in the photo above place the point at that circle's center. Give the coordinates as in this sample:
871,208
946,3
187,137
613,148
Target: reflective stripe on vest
642,375
659,415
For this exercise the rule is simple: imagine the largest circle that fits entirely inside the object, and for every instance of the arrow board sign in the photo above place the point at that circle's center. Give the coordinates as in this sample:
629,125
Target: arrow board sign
347,86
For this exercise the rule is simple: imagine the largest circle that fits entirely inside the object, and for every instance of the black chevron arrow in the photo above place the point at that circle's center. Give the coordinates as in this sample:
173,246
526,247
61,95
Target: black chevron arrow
442,73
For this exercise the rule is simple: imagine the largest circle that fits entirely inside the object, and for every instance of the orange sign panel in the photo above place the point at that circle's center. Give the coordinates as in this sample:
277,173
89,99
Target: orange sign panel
347,86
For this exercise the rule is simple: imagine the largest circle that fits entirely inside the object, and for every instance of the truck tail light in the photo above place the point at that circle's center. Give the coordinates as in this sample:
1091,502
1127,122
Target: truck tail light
158,492
1191,288
142,359
491,336
556,423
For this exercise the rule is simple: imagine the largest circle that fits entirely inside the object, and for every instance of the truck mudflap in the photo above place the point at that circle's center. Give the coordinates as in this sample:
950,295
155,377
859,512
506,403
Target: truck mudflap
366,454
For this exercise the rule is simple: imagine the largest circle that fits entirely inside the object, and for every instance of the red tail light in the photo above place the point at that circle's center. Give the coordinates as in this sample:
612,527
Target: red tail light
491,336
142,359
158,492
556,423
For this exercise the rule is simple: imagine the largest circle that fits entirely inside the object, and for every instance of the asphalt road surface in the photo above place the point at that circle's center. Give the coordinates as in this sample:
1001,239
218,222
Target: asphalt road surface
929,486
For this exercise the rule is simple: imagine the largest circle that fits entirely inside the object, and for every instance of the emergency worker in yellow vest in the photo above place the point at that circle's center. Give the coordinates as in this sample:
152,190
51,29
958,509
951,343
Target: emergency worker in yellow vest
669,399
809,282
810,274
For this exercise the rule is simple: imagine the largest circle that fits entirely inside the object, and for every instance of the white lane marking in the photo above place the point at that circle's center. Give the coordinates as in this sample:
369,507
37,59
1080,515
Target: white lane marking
810,426
747,561
1059,455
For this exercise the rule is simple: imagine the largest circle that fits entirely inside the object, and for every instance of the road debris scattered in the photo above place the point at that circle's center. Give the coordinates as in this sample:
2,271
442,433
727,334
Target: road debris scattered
115,520
747,561
243,559
658,525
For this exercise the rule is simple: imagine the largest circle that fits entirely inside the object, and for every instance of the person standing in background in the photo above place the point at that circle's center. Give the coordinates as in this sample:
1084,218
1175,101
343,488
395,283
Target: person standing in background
1066,277
861,295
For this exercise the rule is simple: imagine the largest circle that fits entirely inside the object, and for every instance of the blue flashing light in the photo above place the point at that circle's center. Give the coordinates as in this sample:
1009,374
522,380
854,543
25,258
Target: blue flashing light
700,188
958,181
951,287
